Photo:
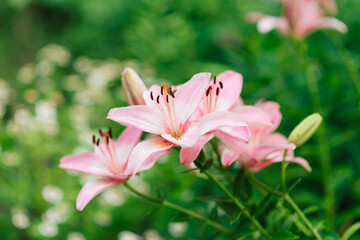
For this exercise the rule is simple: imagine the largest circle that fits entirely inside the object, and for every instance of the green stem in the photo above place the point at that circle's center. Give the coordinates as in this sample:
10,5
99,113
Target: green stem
324,149
238,204
178,208
302,215
283,172
265,189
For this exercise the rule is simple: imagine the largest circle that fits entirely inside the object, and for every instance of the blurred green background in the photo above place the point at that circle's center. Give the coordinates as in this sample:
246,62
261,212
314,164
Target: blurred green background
60,67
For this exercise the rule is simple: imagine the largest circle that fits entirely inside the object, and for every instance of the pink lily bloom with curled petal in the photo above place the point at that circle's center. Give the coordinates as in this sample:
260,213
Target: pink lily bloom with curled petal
264,147
221,96
169,114
113,161
301,18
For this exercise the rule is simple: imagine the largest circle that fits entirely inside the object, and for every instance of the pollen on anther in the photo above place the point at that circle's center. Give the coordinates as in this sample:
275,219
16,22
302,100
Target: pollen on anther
157,99
107,140
208,91
162,90
101,133
151,96
110,133
214,80
93,139
217,91
97,142
221,85
171,92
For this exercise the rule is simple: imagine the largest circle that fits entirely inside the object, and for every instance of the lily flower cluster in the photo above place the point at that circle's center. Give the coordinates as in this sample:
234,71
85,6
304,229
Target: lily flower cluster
187,117
300,18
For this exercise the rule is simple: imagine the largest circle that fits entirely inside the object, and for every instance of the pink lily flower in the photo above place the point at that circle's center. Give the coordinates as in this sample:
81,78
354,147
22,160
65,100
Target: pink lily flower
301,18
170,115
114,161
264,147
219,99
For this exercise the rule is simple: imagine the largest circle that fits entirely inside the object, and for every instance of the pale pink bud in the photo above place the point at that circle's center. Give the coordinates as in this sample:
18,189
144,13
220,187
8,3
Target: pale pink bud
133,87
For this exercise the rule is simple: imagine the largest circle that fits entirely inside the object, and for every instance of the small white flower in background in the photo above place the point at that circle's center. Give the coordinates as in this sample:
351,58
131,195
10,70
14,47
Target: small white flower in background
75,236
26,74
152,234
4,91
58,214
11,159
48,229
127,235
73,83
46,112
59,55
102,218
139,183
44,68
83,65
30,95
52,194
177,229
114,197
20,217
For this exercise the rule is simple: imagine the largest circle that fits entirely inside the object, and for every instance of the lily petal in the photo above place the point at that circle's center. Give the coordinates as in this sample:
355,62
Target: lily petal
261,152
218,119
90,190
188,139
268,23
254,114
189,96
333,23
297,160
189,154
232,83
228,156
146,118
146,153
125,144
86,163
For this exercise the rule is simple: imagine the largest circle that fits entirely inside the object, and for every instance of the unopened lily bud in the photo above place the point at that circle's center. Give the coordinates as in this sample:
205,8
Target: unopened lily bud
133,87
305,129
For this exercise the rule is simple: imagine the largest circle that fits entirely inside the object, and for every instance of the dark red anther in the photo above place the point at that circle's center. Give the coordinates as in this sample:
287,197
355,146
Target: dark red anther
214,80
107,140
171,92
151,96
101,133
167,98
217,91
208,91
162,90
158,99
221,85
97,142
110,133
93,139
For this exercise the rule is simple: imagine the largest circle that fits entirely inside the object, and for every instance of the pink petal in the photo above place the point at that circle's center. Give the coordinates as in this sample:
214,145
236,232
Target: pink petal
235,144
274,139
228,156
188,138
273,109
254,114
146,118
332,23
297,160
242,133
189,154
268,23
146,153
125,144
90,190
232,85
86,163
189,96
261,152
218,119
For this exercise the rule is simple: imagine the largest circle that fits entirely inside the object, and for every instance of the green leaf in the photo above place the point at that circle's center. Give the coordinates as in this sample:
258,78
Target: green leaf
181,217
284,236
265,202
350,231
232,210
328,234
212,198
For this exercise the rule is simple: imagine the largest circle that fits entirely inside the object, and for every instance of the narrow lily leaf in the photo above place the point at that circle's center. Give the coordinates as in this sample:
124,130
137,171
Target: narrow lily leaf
246,191
232,210
214,214
328,234
265,202
294,184
182,217
284,236
216,198
351,231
